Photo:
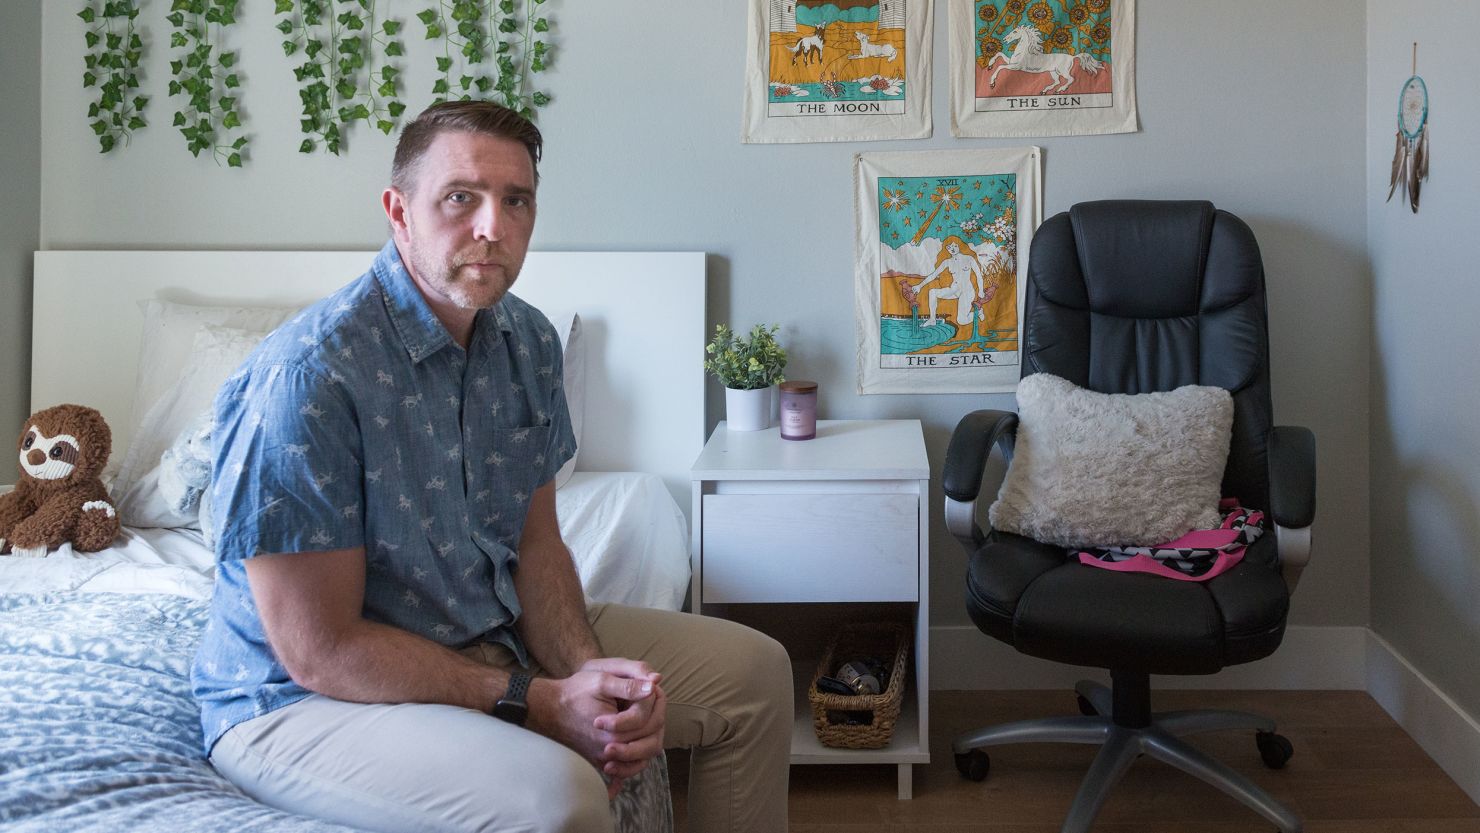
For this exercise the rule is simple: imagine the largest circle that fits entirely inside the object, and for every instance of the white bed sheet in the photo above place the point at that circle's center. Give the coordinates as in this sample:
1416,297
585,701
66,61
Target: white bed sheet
626,533
628,537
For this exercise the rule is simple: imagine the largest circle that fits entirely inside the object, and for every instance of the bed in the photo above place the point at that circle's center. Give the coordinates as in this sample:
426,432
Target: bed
100,730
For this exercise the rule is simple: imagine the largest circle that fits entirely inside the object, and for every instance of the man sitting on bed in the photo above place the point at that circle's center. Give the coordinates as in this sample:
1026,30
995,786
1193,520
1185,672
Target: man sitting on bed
398,639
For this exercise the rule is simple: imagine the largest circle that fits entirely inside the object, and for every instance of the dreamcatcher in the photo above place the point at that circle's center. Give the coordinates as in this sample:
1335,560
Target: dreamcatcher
1411,157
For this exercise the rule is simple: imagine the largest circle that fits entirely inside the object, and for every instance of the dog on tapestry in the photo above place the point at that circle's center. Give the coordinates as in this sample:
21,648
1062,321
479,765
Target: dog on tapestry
809,47
873,50
59,497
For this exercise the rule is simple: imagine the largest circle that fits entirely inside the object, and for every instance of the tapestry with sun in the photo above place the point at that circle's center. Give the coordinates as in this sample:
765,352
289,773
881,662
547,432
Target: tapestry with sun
837,70
1042,67
942,253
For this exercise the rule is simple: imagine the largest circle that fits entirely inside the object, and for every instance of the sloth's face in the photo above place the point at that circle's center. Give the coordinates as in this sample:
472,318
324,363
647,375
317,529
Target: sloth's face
48,458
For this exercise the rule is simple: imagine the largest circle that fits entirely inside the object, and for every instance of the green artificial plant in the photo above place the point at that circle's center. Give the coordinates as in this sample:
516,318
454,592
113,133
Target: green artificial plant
206,78
479,31
346,62
114,69
746,363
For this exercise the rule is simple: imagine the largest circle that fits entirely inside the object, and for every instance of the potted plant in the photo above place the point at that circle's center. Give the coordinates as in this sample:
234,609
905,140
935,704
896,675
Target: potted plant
749,368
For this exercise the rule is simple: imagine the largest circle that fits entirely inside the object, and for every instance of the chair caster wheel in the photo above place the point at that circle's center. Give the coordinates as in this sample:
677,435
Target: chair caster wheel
974,765
1276,750
1086,708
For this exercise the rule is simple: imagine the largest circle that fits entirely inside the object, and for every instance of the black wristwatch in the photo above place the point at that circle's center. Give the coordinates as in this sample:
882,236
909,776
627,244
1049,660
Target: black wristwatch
512,706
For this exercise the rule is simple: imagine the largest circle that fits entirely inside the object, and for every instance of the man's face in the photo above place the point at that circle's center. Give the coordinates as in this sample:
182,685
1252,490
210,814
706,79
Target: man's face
465,228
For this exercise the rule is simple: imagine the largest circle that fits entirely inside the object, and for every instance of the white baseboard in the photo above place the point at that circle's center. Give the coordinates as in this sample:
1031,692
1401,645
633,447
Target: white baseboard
1445,731
1312,658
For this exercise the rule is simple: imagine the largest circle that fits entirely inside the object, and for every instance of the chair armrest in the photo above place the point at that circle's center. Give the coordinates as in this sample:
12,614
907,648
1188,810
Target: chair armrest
966,461
1292,496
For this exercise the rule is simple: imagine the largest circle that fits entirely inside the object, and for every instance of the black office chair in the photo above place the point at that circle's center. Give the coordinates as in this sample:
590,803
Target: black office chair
1135,297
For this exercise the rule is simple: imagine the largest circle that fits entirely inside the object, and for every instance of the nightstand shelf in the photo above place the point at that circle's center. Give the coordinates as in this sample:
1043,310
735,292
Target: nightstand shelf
797,538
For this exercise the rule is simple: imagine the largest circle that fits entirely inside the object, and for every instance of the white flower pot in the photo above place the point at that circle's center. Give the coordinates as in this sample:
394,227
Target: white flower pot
748,410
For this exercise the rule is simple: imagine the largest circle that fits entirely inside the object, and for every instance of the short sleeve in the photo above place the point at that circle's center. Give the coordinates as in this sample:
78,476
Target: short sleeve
561,445
287,474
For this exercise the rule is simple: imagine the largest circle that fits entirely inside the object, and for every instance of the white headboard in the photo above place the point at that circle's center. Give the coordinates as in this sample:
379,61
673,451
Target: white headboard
642,316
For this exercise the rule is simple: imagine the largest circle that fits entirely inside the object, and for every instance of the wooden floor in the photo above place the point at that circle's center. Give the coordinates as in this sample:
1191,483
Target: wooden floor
1354,771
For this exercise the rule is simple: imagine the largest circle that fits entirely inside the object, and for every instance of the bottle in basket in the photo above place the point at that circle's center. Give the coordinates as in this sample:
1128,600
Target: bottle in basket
859,677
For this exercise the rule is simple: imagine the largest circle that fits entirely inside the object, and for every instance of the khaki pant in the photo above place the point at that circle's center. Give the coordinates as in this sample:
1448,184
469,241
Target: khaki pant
419,767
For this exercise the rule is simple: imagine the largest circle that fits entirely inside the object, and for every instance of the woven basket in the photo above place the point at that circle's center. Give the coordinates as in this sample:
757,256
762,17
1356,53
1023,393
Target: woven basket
876,639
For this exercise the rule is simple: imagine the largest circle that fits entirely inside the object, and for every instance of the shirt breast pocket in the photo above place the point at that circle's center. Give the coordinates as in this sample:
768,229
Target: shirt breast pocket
517,461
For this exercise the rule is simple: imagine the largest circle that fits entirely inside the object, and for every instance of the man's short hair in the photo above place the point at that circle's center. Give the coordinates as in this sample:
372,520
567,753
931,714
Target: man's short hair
482,117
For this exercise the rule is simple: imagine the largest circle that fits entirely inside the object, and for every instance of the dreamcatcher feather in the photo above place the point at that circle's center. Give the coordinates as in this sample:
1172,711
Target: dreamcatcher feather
1411,156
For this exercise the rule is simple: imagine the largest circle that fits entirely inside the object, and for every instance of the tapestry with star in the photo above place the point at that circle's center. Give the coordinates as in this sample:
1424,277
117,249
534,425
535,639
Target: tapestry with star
1042,67
837,70
941,254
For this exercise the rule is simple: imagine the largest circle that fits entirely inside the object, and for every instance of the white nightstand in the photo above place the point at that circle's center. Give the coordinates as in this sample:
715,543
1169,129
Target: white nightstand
838,524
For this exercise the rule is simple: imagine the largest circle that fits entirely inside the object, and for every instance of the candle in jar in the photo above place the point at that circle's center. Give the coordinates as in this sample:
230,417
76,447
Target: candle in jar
798,410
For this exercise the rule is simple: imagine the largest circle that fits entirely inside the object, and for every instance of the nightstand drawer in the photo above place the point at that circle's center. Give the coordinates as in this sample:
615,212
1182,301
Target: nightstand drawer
811,548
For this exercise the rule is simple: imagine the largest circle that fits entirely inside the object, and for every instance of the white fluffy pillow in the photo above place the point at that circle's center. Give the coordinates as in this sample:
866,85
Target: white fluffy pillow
573,345
169,331
1095,469
213,355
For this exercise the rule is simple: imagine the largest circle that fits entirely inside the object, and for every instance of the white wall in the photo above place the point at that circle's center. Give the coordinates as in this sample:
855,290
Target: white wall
1425,377
20,185
1256,105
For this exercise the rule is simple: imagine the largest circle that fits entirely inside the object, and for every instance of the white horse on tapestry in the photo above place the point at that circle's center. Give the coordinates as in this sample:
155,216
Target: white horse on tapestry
1030,57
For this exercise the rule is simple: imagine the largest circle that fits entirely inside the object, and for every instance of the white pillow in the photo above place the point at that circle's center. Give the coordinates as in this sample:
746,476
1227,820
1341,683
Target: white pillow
214,354
1095,469
169,331
573,345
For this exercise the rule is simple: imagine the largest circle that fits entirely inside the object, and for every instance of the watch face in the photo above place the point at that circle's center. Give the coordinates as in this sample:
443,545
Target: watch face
511,712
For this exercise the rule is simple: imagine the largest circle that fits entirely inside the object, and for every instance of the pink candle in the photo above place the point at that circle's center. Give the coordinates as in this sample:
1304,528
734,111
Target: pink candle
798,410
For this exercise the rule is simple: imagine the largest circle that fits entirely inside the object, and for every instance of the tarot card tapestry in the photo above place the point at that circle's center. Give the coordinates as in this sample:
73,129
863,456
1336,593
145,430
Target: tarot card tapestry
1042,67
837,70
942,251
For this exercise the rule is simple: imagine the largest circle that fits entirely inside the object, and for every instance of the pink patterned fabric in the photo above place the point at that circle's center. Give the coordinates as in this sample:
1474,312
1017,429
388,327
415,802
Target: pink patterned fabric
1199,555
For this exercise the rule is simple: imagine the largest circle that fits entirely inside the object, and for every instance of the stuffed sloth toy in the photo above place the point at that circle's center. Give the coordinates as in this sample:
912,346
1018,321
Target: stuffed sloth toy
59,497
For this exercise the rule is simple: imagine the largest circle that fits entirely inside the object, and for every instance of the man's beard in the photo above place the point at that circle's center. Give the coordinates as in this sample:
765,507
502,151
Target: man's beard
464,292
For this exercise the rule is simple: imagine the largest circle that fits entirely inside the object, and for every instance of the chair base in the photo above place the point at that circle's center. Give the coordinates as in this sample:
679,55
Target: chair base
1125,727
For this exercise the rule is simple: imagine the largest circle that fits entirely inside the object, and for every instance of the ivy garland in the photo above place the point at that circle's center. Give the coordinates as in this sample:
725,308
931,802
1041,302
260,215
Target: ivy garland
113,69
519,50
340,62
347,74
205,76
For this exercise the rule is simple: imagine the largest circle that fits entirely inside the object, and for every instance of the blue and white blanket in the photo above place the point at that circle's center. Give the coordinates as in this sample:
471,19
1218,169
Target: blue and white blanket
99,732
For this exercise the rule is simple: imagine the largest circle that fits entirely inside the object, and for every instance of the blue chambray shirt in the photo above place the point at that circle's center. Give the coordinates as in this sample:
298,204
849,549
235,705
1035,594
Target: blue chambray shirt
361,423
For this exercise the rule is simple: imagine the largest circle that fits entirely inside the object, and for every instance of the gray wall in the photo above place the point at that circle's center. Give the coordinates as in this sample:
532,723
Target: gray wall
1256,105
1425,378
20,185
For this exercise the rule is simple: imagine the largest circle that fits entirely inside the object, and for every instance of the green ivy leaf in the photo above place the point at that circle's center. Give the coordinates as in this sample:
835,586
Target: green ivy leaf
230,120
541,25
88,79
285,26
234,160
289,47
506,6
391,27
106,142
427,16
306,146
100,127
540,99
393,49
434,32
508,25
283,7
385,126
440,87
444,64
232,82
87,15
92,39
395,108
177,40
136,123
140,102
